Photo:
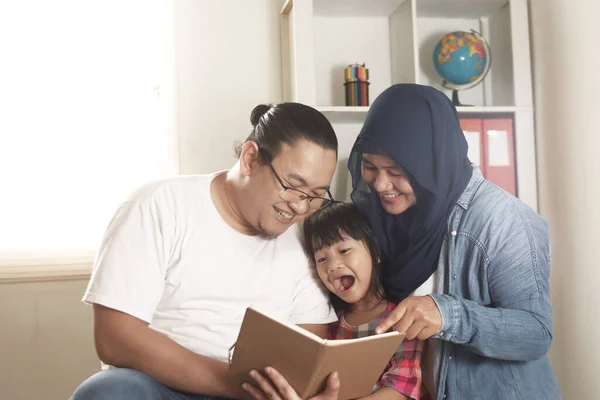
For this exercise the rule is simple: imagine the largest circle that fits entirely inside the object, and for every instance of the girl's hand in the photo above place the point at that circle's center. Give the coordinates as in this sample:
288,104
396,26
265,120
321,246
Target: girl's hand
417,316
272,386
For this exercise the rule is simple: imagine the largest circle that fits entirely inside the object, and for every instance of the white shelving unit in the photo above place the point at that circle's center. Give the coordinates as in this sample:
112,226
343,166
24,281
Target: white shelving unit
395,39
460,109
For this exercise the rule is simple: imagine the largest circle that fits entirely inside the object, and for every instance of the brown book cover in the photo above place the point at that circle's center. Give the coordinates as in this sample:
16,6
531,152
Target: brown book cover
306,360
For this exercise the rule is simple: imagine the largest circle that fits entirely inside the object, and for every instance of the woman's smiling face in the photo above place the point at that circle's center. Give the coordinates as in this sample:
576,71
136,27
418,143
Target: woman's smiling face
389,181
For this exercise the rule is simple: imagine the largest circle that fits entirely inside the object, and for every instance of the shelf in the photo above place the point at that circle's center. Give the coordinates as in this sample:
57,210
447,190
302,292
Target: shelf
342,109
460,109
356,8
322,37
384,8
491,109
459,8
338,33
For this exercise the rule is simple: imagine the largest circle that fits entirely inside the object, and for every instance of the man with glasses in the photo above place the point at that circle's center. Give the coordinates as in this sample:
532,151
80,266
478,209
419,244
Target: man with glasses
293,195
183,258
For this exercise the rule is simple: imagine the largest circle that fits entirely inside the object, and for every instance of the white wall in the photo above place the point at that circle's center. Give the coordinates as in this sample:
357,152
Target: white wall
46,341
228,61
228,55
567,89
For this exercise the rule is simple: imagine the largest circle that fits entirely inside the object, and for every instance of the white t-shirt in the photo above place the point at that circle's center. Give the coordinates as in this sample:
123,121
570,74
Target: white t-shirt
169,259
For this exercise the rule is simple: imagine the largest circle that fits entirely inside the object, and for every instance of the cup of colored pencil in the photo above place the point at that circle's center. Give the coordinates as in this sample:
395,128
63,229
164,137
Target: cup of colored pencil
356,82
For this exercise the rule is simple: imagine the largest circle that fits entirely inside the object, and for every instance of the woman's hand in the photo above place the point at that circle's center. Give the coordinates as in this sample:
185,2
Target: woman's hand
272,386
417,316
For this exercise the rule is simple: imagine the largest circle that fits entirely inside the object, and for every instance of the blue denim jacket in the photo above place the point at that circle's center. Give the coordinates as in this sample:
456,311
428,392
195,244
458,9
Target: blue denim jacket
493,293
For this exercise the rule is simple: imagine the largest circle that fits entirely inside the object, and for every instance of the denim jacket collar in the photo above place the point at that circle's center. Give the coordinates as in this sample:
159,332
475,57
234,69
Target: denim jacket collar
467,195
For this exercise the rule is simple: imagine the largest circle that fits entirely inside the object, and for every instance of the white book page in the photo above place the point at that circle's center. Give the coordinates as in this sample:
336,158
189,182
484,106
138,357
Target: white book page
342,342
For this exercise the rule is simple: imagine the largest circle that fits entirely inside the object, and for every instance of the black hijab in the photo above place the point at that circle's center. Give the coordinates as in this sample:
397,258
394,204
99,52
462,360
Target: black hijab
417,127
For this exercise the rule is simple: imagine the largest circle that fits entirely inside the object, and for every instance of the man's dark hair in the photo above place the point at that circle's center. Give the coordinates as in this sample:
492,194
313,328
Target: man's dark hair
326,227
287,123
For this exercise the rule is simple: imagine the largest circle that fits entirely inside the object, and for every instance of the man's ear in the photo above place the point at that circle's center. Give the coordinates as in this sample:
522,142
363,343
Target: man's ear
249,158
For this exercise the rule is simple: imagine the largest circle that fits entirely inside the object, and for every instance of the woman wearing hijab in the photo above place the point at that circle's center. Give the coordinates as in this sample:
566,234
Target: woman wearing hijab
476,258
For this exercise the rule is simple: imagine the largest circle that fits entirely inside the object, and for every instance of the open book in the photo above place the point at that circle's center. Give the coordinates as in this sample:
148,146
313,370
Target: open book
306,360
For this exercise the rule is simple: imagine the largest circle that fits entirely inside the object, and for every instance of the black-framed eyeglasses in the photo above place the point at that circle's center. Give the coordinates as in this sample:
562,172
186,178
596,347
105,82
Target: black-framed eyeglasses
293,195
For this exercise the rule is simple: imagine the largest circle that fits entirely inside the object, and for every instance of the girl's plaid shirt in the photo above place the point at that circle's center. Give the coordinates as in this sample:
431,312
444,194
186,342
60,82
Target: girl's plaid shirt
403,372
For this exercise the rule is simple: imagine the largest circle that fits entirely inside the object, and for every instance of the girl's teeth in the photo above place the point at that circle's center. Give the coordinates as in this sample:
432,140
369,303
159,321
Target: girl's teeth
390,196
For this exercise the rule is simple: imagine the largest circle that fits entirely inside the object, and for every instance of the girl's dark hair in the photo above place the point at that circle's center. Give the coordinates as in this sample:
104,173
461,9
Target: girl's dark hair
287,123
326,227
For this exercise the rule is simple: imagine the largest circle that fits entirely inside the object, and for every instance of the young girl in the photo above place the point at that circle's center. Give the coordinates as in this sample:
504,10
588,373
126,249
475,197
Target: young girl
344,250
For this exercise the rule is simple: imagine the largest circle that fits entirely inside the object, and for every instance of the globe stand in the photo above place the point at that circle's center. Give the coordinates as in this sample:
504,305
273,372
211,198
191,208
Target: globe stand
457,102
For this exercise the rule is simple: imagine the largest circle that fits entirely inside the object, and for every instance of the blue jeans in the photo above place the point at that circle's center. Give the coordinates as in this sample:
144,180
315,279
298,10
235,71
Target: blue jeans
129,384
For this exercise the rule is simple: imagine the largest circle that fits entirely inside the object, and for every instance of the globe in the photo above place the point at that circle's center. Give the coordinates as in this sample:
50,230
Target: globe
462,59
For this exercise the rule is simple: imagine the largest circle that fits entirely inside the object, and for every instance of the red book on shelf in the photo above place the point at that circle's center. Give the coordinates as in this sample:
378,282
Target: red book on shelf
491,148
499,142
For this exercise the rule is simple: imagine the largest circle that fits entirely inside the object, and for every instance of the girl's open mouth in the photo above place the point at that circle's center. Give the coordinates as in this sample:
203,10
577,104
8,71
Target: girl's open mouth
345,283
